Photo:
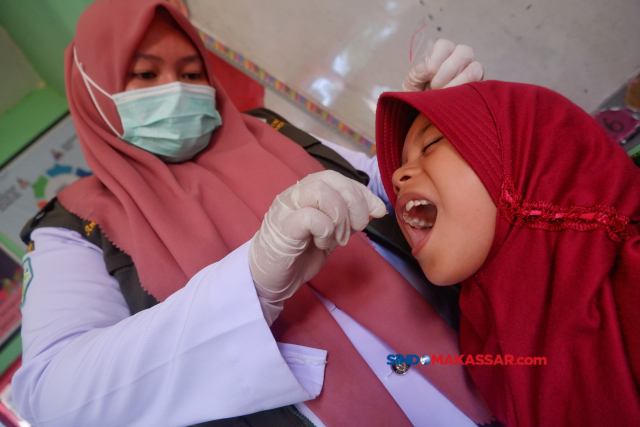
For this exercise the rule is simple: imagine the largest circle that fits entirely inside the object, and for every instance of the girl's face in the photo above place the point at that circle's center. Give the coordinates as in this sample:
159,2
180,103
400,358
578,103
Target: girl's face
165,55
444,210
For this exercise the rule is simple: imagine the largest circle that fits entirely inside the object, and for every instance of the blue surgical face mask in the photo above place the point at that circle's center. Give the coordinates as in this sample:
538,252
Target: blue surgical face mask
173,121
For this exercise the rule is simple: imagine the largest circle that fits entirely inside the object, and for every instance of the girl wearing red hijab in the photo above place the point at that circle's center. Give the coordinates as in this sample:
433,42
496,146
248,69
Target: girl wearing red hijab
520,195
145,303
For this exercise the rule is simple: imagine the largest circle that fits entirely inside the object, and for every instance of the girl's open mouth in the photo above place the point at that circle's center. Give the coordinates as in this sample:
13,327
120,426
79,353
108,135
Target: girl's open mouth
419,216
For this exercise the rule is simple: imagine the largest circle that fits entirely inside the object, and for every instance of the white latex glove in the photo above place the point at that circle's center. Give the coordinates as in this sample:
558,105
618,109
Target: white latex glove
303,226
448,65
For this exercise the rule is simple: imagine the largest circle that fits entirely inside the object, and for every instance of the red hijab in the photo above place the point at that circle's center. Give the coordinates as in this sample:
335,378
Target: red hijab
562,279
175,219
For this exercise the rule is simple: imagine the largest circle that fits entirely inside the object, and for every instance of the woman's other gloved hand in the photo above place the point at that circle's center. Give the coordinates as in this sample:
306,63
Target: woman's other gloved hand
448,65
303,226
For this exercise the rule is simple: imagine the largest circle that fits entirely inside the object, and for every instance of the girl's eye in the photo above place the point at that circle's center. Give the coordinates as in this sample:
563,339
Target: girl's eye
424,149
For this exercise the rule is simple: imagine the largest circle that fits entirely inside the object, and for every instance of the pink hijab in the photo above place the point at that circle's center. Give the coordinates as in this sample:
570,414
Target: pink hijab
175,219
562,279
141,203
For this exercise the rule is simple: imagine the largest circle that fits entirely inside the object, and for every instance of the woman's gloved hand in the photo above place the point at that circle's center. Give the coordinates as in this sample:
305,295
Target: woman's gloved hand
303,226
448,65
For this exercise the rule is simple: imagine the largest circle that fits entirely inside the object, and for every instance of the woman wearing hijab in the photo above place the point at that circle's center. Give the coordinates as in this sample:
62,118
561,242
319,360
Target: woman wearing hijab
148,305
540,213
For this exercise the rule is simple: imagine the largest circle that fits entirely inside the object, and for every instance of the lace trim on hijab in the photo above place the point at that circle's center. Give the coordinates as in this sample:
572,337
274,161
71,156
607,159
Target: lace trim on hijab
547,216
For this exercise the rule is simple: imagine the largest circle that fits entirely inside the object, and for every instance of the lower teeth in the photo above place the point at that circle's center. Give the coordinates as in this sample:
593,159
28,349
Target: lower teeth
417,223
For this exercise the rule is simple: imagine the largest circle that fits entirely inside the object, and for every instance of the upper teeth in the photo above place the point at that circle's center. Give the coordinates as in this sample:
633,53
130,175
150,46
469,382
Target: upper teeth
413,203
415,222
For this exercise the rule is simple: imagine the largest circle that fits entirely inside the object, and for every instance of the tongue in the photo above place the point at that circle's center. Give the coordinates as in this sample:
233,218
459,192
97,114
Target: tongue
416,234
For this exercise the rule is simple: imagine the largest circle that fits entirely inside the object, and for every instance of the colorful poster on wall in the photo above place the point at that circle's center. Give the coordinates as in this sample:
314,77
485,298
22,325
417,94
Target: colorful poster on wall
29,181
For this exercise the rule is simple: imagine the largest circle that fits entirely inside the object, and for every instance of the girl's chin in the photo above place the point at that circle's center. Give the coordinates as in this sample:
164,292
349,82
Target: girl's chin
434,271
439,277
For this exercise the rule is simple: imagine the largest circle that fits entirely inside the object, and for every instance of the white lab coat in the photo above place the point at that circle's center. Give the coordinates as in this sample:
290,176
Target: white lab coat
205,353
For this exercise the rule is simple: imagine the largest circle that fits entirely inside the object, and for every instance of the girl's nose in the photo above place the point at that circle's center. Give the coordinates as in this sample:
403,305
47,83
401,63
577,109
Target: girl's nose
401,176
